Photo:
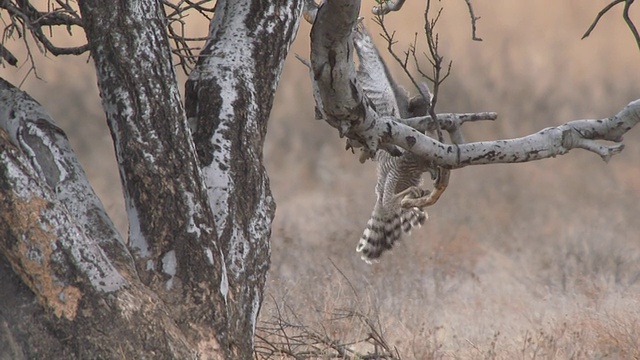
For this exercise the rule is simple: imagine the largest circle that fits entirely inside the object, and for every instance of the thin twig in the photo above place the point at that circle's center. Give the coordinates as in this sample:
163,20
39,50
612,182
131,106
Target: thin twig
474,18
600,14
353,289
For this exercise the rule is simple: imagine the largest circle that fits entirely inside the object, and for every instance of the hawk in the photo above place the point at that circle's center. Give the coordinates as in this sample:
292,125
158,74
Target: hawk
400,174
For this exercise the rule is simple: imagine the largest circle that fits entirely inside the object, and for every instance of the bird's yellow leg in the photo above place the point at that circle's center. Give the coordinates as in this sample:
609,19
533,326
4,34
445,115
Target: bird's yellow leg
421,198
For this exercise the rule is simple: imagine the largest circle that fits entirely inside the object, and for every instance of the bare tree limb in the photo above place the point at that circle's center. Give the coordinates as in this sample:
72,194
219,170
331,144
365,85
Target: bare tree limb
625,16
34,221
25,18
186,48
35,133
600,14
627,19
345,108
549,142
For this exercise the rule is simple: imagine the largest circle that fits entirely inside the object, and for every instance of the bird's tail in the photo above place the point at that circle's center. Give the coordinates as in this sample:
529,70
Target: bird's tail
382,232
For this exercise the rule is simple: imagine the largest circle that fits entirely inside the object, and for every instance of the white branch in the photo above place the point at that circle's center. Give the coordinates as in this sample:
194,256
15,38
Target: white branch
346,108
447,121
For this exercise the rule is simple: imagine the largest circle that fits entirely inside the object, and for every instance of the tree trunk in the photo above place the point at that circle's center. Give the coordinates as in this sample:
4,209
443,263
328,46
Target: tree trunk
228,100
190,280
72,291
171,231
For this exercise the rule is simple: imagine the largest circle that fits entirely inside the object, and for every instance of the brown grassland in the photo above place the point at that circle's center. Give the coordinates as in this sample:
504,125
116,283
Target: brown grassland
528,261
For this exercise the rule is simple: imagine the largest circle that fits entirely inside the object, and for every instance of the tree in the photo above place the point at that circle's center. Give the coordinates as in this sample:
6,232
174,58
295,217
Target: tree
189,281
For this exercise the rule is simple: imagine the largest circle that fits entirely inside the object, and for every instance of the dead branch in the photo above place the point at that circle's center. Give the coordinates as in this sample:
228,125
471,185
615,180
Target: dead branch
25,18
7,56
185,48
474,19
447,121
625,16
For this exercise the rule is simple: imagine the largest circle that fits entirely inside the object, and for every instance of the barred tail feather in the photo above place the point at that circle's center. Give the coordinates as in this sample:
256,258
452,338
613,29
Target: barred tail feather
382,232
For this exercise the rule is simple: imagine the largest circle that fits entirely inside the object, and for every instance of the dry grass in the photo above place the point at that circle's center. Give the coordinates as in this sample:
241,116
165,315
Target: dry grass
529,261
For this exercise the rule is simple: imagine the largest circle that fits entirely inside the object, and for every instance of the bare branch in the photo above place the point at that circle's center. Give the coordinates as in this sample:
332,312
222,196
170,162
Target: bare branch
286,334
627,19
50,154
185,5
25,16
33,221
600,14
7,56
345,107
549,142
185,48
474,19
625,16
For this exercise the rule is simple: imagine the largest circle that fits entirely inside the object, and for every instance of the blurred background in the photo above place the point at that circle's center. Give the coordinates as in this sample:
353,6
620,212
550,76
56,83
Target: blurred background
528,260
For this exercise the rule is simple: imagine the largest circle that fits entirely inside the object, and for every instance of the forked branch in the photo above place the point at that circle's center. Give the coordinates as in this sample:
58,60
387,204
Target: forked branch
345,108
24,18
625,16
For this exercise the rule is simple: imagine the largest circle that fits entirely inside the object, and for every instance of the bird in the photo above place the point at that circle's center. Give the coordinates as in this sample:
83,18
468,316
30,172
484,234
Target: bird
399,174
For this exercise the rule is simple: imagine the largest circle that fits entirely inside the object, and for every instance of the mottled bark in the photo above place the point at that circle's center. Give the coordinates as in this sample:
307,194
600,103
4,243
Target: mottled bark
70,290
346,108
228,100
171,227
175,289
